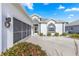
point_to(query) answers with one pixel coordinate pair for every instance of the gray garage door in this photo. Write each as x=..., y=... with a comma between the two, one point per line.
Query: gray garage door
x=20, y=30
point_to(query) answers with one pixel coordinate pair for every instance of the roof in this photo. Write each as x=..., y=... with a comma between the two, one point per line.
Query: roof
x=73, y=23
x=57, y=21
x=43, y=20
x=20, y=8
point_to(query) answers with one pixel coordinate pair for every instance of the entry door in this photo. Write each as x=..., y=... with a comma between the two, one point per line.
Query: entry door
x=35, y=28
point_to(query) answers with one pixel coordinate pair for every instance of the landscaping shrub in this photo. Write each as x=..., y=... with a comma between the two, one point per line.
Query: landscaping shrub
x=48, y=34
x=64, y=34
x=41, y=34
x=74, y=35
x=25, y=49
x=56, y=34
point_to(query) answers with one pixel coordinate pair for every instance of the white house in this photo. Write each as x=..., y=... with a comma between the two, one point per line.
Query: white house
x=45, y=26
x=15, y=25
x=73, y=27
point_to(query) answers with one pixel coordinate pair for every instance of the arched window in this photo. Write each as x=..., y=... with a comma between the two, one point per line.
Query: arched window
x=51, y=27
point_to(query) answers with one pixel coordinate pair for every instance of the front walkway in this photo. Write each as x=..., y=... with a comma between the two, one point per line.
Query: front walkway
x=55, y=46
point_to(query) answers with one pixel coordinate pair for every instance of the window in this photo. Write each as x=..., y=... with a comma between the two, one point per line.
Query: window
x=51, y=27
x=71, y=28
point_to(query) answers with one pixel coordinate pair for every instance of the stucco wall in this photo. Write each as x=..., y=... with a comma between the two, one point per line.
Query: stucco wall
x=64, y=27
x=39, y=28
x=0, y=28
x=59, y=28
x=44, y=29
x=9, y=10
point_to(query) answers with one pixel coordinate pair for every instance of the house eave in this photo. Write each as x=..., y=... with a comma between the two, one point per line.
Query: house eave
x=22, y=10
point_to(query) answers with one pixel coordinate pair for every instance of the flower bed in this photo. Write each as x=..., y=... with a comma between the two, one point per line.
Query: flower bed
x=25, y=49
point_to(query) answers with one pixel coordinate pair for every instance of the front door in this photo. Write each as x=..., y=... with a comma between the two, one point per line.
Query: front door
x=35, y=28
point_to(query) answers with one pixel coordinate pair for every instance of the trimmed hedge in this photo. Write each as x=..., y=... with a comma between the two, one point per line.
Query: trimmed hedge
x=74, y=35
x=64, y=34
x=56, y=34
x=24, y=49
x=48, y=34
x=41, y=34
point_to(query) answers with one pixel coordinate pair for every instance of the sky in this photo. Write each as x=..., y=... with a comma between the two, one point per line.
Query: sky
x=58, y=11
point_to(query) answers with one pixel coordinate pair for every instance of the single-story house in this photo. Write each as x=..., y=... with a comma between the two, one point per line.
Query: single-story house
x=45, y=26
x=72, y=27
x=15, y=24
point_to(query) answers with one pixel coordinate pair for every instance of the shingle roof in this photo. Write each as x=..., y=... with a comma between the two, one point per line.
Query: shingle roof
x=46, y=20
x=43, y=19
x=73, y=23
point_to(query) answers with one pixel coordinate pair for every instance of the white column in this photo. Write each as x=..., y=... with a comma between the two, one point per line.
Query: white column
x=10, y=35
x=7, y=35
x=44, y=29
x=0, y=28
x=64, y=26
x=32, y=31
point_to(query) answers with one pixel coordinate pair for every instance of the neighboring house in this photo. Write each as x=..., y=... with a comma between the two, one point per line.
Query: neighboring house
x=15, y=25
x=45, y=26
x=73, y=27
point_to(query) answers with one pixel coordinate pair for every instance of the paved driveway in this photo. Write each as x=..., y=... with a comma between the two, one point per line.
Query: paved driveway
x=56, y=46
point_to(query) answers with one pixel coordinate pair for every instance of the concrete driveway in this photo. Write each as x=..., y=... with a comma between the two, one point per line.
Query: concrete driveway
x=56, y=46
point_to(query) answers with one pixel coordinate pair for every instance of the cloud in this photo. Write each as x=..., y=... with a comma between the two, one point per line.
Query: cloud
x=29, y=5
x=72, y=9
x=61, y=7
x=71, y=15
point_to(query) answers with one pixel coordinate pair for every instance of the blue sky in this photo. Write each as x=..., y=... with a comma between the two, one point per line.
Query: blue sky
x=57, y=11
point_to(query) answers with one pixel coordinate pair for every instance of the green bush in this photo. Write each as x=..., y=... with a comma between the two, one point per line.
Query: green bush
x=64, y=34
x=56, y=34
x=24, y=49
x=74, y=35
x=48, y=34
x=41, y=34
